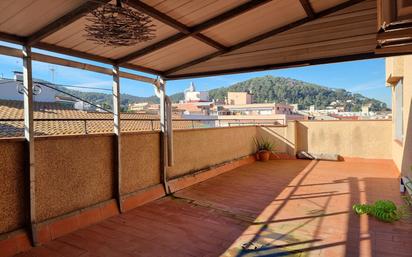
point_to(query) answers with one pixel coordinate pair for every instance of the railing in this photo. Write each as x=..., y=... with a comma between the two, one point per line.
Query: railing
x=64, y=126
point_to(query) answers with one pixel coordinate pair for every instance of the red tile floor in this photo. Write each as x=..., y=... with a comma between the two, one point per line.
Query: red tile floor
x=278, y=208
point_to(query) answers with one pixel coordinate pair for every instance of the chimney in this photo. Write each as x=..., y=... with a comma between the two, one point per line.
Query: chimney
x=18, y=75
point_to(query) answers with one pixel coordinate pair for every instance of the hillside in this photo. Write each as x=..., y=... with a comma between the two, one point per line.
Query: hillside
x=279, y=89
x=105, y=100
x=265, y=89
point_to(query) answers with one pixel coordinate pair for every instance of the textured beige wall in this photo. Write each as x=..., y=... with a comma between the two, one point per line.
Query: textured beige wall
x=12, y=185
x=200, y=148
x=140, y=161
x=364, y=139
x=72, y=172
x=282, y=137
x=402, y=151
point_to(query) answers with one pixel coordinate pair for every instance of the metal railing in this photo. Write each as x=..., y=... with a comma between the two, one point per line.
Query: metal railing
x=51, y=126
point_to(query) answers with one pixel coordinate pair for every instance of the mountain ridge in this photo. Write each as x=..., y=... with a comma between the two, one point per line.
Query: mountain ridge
x=265, y=89
x=282, y=89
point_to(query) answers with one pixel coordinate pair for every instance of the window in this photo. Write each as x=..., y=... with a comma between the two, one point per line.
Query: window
x=399, y=111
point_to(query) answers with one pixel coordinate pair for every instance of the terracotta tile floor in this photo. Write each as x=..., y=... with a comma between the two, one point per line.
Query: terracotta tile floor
x=278, y=208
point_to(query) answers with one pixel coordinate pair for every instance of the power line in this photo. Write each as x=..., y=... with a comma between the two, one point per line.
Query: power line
x=97, y=88
x=75, y=97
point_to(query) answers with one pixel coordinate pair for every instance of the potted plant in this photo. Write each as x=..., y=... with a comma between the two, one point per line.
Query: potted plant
x=264, y=149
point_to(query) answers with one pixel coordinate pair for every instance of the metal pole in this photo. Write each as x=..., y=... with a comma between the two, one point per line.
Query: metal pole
x=85, y=127
x=117, y=133
x=169, y=130
x=163, y=156
x=193, y=124
x=29, y=138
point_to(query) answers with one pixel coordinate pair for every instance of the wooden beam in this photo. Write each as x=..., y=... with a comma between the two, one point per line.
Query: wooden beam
x=9, y=51
x=308, y=8
x=195, y=30
x=28, y=103
x=354, y=57
x=141, y=69
x=12, y=38
x=140, y=6
x=403, y=48
x=67, y=51
x=208, y=41
x=132, y=76
x=70, y=63
x=117, y=134
x=394, y=34
x=72, y=52
x=92, y=57
x=65, y=20
x=263, y=36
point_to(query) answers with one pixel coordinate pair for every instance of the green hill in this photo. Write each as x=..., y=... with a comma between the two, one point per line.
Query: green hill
x=270, y=89
x=265, y=89
x=106, y=100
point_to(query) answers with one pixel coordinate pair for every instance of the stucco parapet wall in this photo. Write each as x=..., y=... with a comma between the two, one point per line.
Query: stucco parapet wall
x=337, y=121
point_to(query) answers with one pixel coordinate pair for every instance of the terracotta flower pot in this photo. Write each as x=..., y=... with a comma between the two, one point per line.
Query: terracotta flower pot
x=263, y=155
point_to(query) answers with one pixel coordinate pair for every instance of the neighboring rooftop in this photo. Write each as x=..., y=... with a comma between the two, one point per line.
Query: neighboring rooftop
x=61, y=120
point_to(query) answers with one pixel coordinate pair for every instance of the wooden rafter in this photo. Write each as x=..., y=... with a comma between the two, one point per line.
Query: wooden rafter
x=193, y=31
x=263, y=36
x=308, y=8
x=71, y=52
x=11, y=38
x=63, y=21
x=140, y=6
x=345, y=58
x=79, y=54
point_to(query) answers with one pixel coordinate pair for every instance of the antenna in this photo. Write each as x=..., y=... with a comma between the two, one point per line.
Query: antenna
x=53, y=72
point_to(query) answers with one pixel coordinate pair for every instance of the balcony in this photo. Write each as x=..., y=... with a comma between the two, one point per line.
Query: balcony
x=117, y=194
x=222, y=202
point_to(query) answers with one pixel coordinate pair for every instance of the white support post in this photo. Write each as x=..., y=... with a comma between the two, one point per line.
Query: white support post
x=160, y=84
x=117, y=133
x=29, y=138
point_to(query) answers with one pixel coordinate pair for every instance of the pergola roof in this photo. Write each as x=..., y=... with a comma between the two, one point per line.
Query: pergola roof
x=205, y=37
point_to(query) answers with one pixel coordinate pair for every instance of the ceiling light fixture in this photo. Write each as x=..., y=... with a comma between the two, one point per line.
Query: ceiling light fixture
x=117, y=25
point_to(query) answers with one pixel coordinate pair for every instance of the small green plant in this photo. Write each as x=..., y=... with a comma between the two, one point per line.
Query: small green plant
x=263, y=145
x=383, y=210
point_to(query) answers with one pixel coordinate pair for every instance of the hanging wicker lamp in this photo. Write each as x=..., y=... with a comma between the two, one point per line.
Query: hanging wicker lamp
x=118, y=25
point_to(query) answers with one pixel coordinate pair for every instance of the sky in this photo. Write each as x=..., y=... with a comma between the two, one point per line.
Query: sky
x=364, y=77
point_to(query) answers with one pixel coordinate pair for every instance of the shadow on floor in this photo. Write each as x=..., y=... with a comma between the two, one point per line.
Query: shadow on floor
x=277, y=208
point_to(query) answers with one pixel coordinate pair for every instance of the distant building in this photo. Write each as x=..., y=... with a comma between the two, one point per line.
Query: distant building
x=239, y=98
x=295, y=107
x=67, y=101
x=365, y=109
x=194, y=108
x=12, y=89
x=83, y=106
x=137, y=107
x=191, y=95
x=257, y=109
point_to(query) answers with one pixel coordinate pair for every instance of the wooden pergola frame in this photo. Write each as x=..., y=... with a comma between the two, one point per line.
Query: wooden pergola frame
x=184, y=32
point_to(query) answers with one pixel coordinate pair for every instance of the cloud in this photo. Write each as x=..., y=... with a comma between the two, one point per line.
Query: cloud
x=368, y=86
